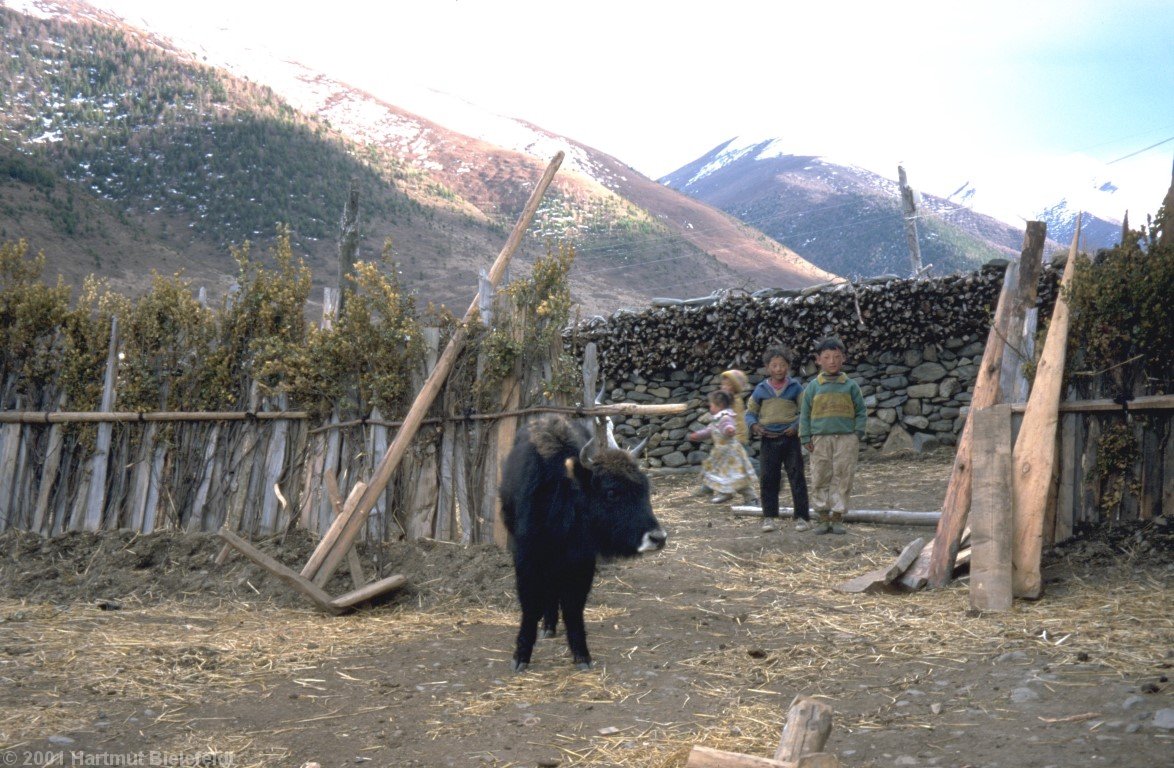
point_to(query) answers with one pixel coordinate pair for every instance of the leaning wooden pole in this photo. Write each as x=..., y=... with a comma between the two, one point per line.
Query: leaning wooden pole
x=938, y=558
x=399, y=446
x=1034, y=458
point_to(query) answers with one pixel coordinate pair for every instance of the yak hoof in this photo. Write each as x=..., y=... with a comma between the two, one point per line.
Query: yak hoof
x=584, y=665
x=519, y=666
x=548, y=633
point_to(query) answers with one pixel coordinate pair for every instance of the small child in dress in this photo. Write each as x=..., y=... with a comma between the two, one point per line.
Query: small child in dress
x=727, y=470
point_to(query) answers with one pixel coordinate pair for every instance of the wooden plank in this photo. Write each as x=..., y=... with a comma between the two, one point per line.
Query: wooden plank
x=274, y=466
x=507, y=430
x=809, y=723
x=374, y=589
x=395, y=452
x=42, y=523
x=446, y=502
x=1149, y=502
x=881, y=516
x=99, y=463
x=287, y=575
x=1067, y=491
x=990, y=511
x=311, y=495
x=155, y=482
x=885, y=575
x=1102, y=405
x=239, y=488
x=9, y=442
x=939, y=565
x=1090, y=488
x=207, y=472
x=1035, y=450
x=314, y=564
x=707, y=757
x=1167, y=495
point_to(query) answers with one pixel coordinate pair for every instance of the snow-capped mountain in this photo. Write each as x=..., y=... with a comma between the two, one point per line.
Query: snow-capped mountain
x=848, y=219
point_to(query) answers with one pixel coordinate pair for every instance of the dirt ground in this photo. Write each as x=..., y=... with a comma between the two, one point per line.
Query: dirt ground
x=123, y=650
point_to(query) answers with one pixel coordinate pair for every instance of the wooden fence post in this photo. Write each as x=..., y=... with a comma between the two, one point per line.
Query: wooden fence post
x=990, y=510
x=1035, y=449
x=937, y=560
x=42, y=519
x=95, y=501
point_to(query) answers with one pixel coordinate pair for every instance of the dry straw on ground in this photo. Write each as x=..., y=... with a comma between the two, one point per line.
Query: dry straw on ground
x=804, y=634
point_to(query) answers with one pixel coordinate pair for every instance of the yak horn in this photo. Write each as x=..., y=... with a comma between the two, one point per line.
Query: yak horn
x=635, y=451
x=611, y=435
x=585, y=454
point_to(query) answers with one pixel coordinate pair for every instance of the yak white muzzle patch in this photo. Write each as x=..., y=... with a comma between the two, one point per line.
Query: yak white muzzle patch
x=653, y=540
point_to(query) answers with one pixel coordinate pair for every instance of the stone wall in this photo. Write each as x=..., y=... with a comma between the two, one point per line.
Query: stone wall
x=913, y=346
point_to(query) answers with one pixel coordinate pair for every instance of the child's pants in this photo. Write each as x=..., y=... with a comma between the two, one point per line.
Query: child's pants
x=775, y=455
x=833, y=465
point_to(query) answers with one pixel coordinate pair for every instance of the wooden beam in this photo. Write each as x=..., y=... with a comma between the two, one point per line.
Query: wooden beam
x=374, y=589
x=884, y=575
x=1034, y=456
x=990, y=513
x=289, y=576
x=937, y=562
x=313, y=569
x=886, y=516
x=809, y=723
x=1144, y=403
x=707, y=757
x=399, y=446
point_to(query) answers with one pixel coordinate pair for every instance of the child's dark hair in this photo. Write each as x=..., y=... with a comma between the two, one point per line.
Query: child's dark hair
x=721, y=398
x=776, y=351
x=831, y=342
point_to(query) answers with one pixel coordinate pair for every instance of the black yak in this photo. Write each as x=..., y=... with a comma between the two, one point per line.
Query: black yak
x=566, y=504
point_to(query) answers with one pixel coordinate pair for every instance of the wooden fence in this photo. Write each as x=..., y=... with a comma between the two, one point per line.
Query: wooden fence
x=261, y=471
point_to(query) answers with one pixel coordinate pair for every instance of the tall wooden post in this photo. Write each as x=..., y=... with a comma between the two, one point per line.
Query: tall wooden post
x=937, y=560
x=1034, y=459
x=348, y=245
x=411, y=422
x=909, y=208
x=990, y=512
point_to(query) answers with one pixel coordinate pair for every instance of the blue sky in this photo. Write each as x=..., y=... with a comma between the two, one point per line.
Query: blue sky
x=1011, y=93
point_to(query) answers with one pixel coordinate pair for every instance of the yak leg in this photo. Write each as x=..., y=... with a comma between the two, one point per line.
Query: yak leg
x=573, y=599
x=534, y=594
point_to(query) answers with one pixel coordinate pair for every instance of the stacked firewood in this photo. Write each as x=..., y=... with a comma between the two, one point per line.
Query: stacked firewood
x=726, y=330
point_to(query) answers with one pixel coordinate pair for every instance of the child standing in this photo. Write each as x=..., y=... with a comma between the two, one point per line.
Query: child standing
x=727, y=469
x=773, y=416
x=831, y=425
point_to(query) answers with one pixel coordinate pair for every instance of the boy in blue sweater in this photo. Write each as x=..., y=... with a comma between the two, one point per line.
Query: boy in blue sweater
x=831, y=425
x=773, y=417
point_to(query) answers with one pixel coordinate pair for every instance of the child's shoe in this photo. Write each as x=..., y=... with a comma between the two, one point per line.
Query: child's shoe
x=837, y=524
x=802, y=525
x=722, y=498
x=823, y=525
x=768, y=525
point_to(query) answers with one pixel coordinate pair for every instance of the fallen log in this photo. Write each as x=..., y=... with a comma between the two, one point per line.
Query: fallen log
x=885, y=516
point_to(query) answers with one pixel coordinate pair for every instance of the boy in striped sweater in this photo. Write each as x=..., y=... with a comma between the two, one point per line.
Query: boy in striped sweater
x=831, y=424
